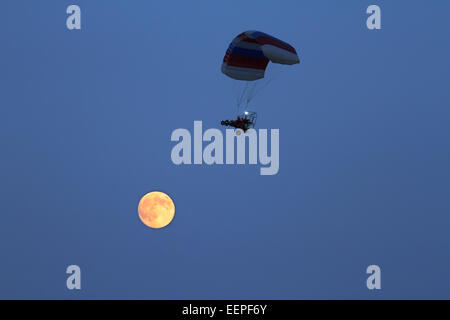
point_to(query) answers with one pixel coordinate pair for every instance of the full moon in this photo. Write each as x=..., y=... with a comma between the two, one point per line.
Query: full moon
x=156, y=209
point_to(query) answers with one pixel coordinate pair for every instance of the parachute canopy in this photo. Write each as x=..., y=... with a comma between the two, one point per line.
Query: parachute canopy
x=250, y=52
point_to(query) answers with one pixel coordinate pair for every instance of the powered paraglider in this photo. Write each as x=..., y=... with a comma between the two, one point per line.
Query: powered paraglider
x=246, y=60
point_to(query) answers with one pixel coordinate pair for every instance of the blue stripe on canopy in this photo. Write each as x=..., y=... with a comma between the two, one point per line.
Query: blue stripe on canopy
x=248, y=53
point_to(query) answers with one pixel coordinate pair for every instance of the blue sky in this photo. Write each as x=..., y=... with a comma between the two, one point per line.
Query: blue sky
x=85, y=125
